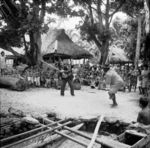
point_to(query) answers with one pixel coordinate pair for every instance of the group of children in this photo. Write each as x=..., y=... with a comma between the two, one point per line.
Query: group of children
x=143, y=82
x=36, y=77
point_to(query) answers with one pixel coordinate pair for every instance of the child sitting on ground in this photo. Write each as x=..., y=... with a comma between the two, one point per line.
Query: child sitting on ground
x=77, y=83
x=37, y=76
x=144, y=114
x=30, y=77
x=47, y=78
x=53, y=81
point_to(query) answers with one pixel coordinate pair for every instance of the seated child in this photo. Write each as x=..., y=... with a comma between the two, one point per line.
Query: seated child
x=52, y=82
x=30, y=77
x=144, y=114
x=47, y=78
x=37, y=76
x=77, y=83
x=97, y=81
x=92, y=81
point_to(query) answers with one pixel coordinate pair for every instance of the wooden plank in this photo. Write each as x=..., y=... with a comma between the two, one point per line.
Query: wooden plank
x=95, y=132
x=121, y=137
x=110, y=143
x=134, y=132
x=101, y=140
x=72, y=139
x=143, y=142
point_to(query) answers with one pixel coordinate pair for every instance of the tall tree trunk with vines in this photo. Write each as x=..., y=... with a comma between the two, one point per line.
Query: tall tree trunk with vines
x=138, y=43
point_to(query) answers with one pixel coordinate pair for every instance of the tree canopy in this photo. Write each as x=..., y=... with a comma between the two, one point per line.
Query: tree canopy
x=27, y=17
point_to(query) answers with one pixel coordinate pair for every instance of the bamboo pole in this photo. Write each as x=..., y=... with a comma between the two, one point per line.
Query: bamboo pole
x=57, y=138
x=39, y=134
x=30, y=132
x=72, y=139
x=95, y=132
x=68, y=137
x=101, y=141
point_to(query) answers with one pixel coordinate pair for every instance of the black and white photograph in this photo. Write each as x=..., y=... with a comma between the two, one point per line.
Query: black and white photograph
x=75, y=73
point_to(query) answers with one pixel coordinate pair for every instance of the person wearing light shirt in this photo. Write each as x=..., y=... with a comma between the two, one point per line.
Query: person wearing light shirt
x=2, y=63
x=113, y=83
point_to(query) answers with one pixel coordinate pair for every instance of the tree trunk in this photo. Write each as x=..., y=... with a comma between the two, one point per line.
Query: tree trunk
x=147, y=15
x=38, y=43
x=147, y=30
x=35, y=49
x=138, y=43
x=104, y=52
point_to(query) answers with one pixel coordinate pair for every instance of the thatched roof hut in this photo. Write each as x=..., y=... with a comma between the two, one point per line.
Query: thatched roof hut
x=117, y=55
x=58, y=43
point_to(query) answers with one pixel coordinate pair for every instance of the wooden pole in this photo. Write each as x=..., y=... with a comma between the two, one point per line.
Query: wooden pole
x=36, y=135
x=30, y=132
x=95, y=132
x=57, y=138
x=103, y=141
x=72, y=139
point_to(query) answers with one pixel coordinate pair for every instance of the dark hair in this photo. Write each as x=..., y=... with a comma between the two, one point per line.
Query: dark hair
x=143, y=102
x=146, y=66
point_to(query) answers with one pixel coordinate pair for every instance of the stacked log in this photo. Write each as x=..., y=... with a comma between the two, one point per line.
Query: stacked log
x=13, y=83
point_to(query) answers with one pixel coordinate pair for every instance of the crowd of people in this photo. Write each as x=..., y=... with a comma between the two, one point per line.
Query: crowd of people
x=84, y=74
x=107, y=77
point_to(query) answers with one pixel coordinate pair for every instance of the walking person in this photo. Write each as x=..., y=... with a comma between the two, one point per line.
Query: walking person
x=133, y=78
x=2, y=63
x=113, y=83
x=144, y=75
x=139, y=81
x=66, y=77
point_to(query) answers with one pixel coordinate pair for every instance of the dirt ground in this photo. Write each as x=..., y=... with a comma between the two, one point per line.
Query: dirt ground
x=87, y=103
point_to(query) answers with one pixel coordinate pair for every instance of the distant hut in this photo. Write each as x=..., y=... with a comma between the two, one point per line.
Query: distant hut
x=58, y=44
x=117, y=56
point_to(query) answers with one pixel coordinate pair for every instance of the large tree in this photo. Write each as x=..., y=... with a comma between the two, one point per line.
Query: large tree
x=97, y=20
x=23, y=17
x=27, y=17
x=98, y=17
x=147, y=31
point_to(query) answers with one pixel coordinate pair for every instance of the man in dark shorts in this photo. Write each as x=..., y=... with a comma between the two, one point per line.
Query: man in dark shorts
x=66, y=76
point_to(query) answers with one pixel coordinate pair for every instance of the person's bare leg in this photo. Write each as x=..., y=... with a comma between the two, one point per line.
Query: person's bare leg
x=114, y=100
x=110, y=95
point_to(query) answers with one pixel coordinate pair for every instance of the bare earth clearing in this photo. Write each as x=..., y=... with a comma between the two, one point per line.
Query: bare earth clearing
x=86, y=103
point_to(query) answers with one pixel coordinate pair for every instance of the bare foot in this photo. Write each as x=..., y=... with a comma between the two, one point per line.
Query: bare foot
x=114, y=105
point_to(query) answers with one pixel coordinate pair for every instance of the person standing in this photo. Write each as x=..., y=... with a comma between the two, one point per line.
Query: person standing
x=144, y=75
x=144, y=114
x=133, y=78
x=113, y=83
x=66, y=77
x=2, y=63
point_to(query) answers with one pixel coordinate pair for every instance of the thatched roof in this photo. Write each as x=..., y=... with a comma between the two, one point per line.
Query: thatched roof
x=57, y=42
x=117, y=55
